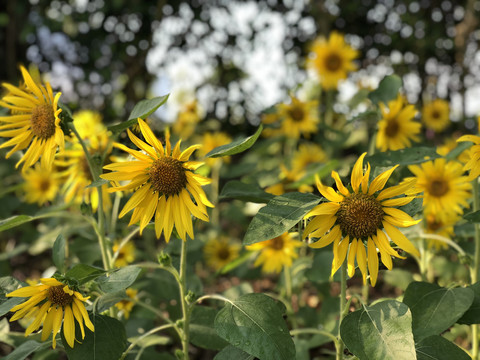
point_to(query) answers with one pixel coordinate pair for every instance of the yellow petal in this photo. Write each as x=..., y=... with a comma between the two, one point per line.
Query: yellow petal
x=150, y=136
x=78, y=316
x=386, y=258
x=27, y=291
x=84, y=313
x=396, y=190
x=69, y=326
x=379, y=182
x=362, y=260
x=352, y=252
x=365, y=179
x=343, y=190
x=57, y=323
x=340, y=255
x=357, y=173
x=135, y=200
x=328, y=192
x=398, y=201
x=372, y=261
x=327, y=239
x=400, y=239
x=401, y=216
x=327, y=208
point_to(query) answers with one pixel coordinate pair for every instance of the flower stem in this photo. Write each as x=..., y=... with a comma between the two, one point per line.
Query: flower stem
x=185, y=306
x=476, y=264
x=343, y=309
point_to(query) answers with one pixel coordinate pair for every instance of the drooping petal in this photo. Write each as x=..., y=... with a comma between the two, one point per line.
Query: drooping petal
x=69, y=326
x=372, y=261
x=400, y=239
x=343, y=190
x=362, y=260
x=379, y=182
x=357, y=173
x=352, y=252
x=340, y=255
x=326, y=208
x=328, y=192
x=327, y=239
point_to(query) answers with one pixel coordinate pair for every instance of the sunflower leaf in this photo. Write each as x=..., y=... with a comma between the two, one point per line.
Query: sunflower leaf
x=472, y=217
x=380, y=332
x=387, y=89
x=231, y=352
x=119, y=279
x=202, y=332
x=84, y=273
x=14, y=221
x=58, y=253
x=237, y=146
x=436, y=347
x=255, y=324
x=247, y=192
x=472, y=315
x=146, y=107
x=27, y=348
x=408, y=156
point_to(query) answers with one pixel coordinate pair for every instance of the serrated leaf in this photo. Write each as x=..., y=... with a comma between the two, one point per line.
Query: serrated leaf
x=279, y=215
x=472, y=315
x=408, y=156
x=107, y=342
x=380, y=332
x=472, y=217
x=13, y=221
x=436, y=347
x=146, y=107
x=202, y=332
x=106, y=301
x=434, y=309
x=84, y=273
x=24, y=350
x=255, y=324
x=247, y=192
x=387, y=89
x=231, y=352
x=237, y=146
x=58, y=253
x=119, y=279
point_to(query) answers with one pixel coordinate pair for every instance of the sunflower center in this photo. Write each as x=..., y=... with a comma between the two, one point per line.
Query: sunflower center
x=277, y=243
x=438, y=188
x=43, y=121
x=223, y=253
x=333, y=62
x=44, y=185
x=435, y=114
x=360, y=216
x=296, y=114
x=59, y=297
x=167, y=176
x=392, y=128
x=434, y=225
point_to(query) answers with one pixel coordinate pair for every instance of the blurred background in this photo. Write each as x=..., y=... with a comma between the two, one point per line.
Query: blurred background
x=237, y=58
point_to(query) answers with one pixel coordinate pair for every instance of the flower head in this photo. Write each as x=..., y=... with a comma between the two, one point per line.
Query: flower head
x=166, y=186
x=34, y=122
x=123, y=255
x=209, y=142
x=473, y=163
x=219, y=251
x=332, y=60
x=397, y=129
x=188, y=117
x=125, y=306
x=366, y=215
x=436, y=115
x=298, y=118
x=51, y=302
x=41, y=185
x=276, y=253
x=440, y=224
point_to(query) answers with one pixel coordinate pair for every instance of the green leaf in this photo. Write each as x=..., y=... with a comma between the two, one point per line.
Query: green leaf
x=255, y=324
x=436, y=347
x=27, y=348
x=84, y=273
x=472, y=315
x=14, y=221
x=461, y=147
x=472, y=217
x=116, y=129
x=247, y=192
x=106, y=301
x=119, y=279
x=7, y=285
x=387, y=89
x=237, y=146
x=279, y=215
x=408, y=156
x=58, y=253
x=146, y=107
x=236, y=262
x=202, y=332
x=231, y=352
x=435, y=309
x=380, y=332
x=414, y=207
x=98, y=183
x=107, y=342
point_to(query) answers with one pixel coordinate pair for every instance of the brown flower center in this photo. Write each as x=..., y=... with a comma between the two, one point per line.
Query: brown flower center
x=392, y=128
x=296, y=113
x=438, y=188
x=59, y=297
x=435, y=114
x=277, y=243
x=333, y=62
x=167, y=176
x=44, y=185
x=223, y=253
x=360, y=216
x=43, y=121
x=434, y=225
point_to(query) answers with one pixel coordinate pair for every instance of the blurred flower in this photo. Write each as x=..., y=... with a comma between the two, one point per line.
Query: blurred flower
x=124, y=255
x=49, y=303
x=473, y=164
x=298, y=118
x=89, y=125
x=444, y=187
x=34, y=122
x=440, y=224
x=305, y=155
x=165, y=184
x=451, y=144
x=219, y=251
x=126, y=306
x=188, y=117
x=41, y=185
x=332, y=60
x=288, y=177
x=366, y=215
x=276, y=253
x=436, y=115
x=209, y=142
x=397, y=129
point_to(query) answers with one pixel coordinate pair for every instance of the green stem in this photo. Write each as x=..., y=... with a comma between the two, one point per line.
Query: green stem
x=297, y=332
x=140, y=338
x=343, y=309
x=157, y=313
x=476, y=265
x=183, y=300
x=288, y=283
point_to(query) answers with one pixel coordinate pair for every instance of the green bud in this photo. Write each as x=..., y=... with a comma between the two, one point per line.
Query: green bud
x=179, y=354
x=190, y=297
x=164, y=259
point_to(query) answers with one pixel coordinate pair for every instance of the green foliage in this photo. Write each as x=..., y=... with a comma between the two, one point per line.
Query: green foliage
x=472, y=315
x=83, y=273
x=14, y=221
x=247, y=192
x=436, y=347
x=387, y=90
x=202, y=332
x=58, y=253
x=7, y=285
x=146, y=107
x=231, y=352
x=407, y=156
x=119, y=279
x=237, y=146
x=27, y=348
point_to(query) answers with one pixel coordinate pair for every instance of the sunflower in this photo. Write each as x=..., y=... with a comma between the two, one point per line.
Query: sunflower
x=220, y=252
x=49, y=303
x=449, y=145
x=125, y=306
x=123, y=255
x=34, y=122
x=396, y=129
x=287, y=179
x=298, y=118
x=440, y=224
x=445, y=189
x=366, y=215
x=276, y=253
x=188, y=117
x=165, y=184
x=41, y=185
x=473, y=163
x=436, y=115
x=209, y=142
x=331, y=60
x=305, y=155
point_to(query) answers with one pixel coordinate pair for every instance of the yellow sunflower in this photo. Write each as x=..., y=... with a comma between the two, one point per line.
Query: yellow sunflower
x=366, y=215
x=123, y=255
x=451, y=144
x=220, y=251
x=41, y=185
x=49, y=303
x=34, y=122
x=445, y=189
x=188, y=117
x=305, y=155
x=440, y=224
x=165, y=184
x=276, y=253
x=332, y=60
x=287, y=178
x=126, y=306
x=436, y=115
x=473, y=163
x=298, y=118
x=397, y=128
x=209, y=142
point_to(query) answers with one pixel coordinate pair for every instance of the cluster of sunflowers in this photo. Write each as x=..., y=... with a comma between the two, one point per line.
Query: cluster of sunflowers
x=78, y=161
